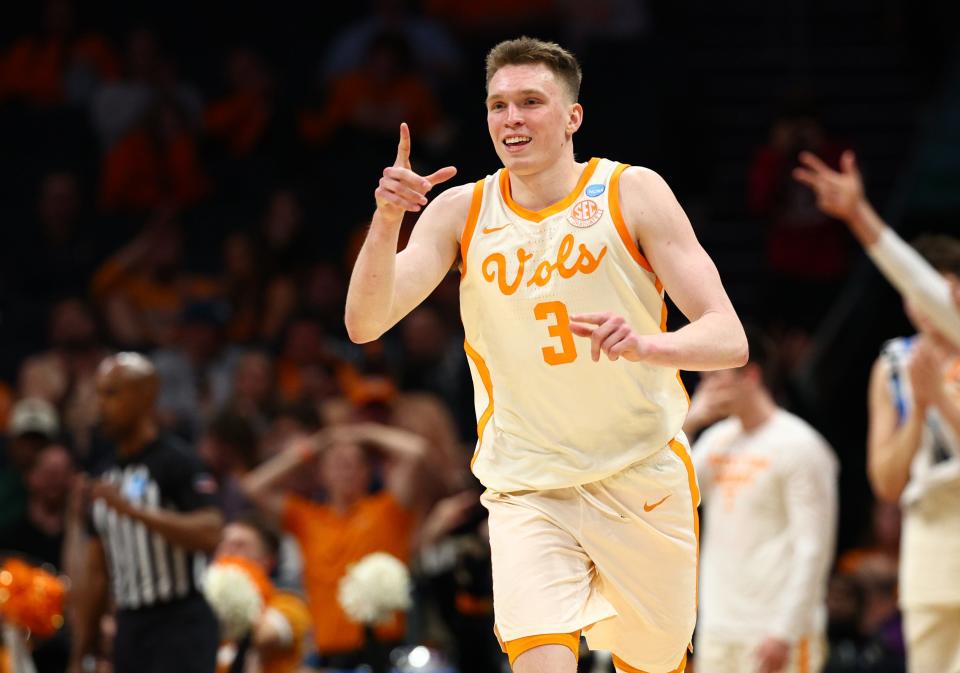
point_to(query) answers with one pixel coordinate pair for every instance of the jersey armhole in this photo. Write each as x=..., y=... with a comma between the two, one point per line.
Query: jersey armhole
x=472, y=216
x=613, y=199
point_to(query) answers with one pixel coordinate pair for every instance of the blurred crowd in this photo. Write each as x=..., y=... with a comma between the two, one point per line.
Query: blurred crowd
x=206, y=214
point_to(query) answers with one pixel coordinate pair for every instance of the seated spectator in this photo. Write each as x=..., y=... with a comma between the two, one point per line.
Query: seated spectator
x=58, y=64
x=432, y=47
x=39, y=533
x=305, y=363
x=156, y=164
x=240, y=119
x=148, y=76
x=375, y=98
x=254, y=394
x=65, y=375
x=34, y=424
x=351, y=524
x=283, y=240
x=57, y=240
x=196, y=372
x=243, y=288
x=143, y=289
x=276, y=642
x=229, y=448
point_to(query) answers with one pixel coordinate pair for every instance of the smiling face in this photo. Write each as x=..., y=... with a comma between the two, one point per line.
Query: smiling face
x=531, y=117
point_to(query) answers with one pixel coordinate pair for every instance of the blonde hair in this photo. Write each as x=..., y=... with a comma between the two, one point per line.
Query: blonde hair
x=530, y=51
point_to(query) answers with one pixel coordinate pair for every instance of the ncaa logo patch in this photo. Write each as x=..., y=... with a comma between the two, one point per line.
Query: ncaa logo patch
x=594, y=190
x=584, y=213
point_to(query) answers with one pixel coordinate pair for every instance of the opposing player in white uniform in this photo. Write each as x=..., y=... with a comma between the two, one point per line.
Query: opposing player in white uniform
x=769, y=485
x=591, y=492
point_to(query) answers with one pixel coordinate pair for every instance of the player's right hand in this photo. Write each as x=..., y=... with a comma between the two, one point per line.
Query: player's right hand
x=839, y=194
x=400, y=189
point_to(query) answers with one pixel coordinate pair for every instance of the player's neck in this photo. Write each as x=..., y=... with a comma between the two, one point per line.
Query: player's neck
x=145, y=432
x=757, y=410
x=540, y=190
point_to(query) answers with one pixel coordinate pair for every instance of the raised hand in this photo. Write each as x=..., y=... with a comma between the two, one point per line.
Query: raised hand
x=401, y=189
x=838, y=194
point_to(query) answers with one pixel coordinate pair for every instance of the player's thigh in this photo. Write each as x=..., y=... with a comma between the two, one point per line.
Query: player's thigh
x=933, y=638
x=641, y=532
x=546, y=659
x=542, y=578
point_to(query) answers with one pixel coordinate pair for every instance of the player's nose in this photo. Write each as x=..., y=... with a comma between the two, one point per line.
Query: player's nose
x=514, y=117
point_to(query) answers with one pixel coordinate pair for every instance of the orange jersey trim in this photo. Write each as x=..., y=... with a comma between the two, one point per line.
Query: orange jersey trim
x=540, y=215
x=681, y=452
x=472, y=216
x=514, y=648
x=803, y=656
x=617, y=215
x=484, y=373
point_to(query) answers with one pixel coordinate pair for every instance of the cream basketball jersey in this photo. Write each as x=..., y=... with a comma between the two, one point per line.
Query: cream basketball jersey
x=548, y=416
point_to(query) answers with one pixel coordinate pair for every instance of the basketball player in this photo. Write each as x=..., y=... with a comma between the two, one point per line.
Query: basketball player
x=914, y=457
x=841, y=195
x=769, y=485
x=591, y=492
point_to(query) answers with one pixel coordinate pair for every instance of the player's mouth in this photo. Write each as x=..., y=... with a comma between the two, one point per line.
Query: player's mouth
x=516, y=143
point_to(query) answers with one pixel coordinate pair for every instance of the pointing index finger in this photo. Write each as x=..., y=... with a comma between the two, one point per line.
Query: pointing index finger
x=403, y=147
x=592, y=318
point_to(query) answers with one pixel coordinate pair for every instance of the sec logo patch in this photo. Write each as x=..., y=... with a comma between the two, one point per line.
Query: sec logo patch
x=584, y=213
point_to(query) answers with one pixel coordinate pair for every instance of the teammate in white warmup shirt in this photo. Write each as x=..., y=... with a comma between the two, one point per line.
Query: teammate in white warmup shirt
x=769, y=487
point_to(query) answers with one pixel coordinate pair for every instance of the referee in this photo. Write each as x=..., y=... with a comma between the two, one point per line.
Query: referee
x=152, y=520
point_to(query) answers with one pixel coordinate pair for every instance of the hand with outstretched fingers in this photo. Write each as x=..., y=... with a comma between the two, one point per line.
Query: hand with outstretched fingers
x=401, y=190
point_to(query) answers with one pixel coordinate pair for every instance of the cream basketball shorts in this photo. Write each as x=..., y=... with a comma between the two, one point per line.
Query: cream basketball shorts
x=615, y=559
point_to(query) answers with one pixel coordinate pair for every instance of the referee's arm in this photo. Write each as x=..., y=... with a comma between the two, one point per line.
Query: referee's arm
x=89, y=604
x=195, y=530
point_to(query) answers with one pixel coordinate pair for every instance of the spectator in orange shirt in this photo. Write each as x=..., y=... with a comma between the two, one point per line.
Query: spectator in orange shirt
x=276, y=642
x=350, y=525
x=240, y=118
x=57, y=65
x=65, y=375
x=143, y=288
x=374, y=99
x=156, y=164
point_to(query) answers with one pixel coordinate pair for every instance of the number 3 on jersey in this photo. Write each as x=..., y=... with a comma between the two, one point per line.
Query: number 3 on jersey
x=560, y=329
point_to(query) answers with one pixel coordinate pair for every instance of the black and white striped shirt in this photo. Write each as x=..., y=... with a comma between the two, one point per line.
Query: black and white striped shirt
x=144, y=568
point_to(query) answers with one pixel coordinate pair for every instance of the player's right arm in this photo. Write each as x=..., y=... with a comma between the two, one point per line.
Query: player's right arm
x=841, y=195
x=386, y=285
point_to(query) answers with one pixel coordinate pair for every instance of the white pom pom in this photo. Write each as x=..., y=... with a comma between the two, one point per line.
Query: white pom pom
x=374, y=588
x=234, y=598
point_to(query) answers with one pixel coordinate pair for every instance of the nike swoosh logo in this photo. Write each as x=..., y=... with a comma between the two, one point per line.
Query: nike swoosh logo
x=490, y=230
x=650, y=508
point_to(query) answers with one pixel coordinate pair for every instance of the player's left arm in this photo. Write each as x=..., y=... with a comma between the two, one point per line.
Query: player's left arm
x=810, y=494
x=714, y=339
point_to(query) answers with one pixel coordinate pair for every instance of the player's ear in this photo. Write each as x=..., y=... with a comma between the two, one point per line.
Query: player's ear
x=575, y=118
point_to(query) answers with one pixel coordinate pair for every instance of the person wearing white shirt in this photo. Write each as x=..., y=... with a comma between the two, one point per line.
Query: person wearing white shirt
x=768, y=484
